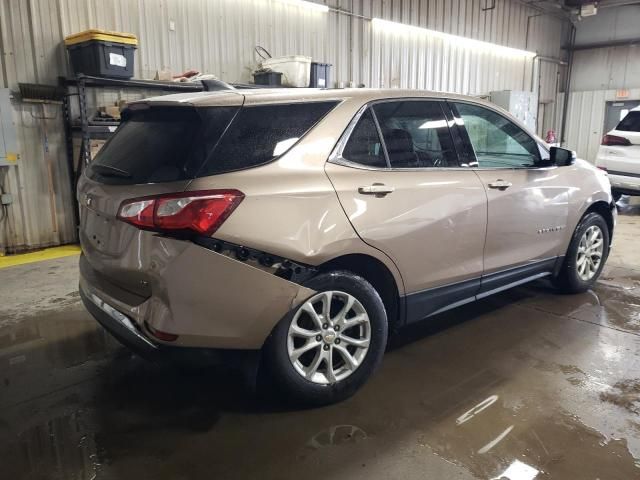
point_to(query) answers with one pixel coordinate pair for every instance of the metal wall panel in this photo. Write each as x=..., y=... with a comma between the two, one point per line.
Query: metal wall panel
x=218, y=36
x=609, y=24
x=606, y=68
x=585, y=120
x=597, y=73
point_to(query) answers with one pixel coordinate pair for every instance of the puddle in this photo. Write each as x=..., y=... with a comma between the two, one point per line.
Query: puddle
x=335, y=436
x=505, y=388
x=556, y=446
x=625, y=394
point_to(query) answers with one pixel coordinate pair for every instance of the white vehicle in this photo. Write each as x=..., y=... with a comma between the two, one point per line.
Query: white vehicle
x=619, y=155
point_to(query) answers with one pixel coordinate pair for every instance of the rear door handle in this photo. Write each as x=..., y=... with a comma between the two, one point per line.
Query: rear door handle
x=376, y=189
x=500, y=185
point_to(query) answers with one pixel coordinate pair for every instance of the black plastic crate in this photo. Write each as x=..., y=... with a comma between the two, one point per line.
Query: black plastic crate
x=320, y=75
x=268, y=78
x=102, y=59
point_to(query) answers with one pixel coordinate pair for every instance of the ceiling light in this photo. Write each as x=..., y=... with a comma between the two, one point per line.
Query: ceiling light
x=454, y=39
x=311, y=5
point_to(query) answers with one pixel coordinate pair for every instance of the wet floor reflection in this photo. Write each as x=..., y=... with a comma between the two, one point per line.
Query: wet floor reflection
x=528, y=384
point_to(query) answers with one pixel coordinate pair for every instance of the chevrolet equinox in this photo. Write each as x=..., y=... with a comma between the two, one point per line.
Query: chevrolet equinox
x=306, y=224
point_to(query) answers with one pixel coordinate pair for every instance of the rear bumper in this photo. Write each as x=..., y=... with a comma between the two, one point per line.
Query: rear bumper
x=138, y=342
x=207, y=299
x=118, y=325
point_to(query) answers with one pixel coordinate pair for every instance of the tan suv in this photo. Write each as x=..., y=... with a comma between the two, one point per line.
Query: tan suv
x=307, y=224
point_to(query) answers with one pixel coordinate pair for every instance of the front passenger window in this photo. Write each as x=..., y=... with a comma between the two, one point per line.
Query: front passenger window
x=498, y=142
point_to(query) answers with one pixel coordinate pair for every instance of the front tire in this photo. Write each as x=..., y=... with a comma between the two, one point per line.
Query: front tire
x=586, y=255
x=325, y=349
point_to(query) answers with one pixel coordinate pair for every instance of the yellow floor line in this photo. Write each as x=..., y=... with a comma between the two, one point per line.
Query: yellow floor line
x=39, y=256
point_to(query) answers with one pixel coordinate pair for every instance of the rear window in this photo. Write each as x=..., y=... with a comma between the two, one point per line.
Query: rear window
x=160, y=144
x=259, y=134
x=630, y=123
x=166, y=144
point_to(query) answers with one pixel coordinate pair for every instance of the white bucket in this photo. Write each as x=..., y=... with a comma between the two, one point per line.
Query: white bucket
x=295, y=69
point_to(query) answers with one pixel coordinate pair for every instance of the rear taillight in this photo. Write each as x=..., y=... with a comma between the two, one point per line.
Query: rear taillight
x=611, y=140
x=201, y=211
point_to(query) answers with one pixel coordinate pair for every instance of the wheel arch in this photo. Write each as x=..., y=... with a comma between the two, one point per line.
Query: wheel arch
x=378, y=275
x=603, y=209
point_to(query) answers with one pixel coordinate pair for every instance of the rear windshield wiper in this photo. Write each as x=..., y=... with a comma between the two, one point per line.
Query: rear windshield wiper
x=109, y=171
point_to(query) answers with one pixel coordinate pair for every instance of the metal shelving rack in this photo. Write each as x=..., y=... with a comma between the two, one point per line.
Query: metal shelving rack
x=86, y=128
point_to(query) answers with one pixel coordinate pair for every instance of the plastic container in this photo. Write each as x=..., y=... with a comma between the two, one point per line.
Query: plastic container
x=102, y=53
x=268, y=78
x=295, y=69
x=320, y=75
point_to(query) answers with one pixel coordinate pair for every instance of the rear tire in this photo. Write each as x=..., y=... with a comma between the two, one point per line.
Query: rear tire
x=586, y=255
x=342, y=349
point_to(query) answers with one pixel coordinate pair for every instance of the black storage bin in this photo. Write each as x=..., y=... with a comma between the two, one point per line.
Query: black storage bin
x=102, y=54
x=268, y=78
x=320, y=75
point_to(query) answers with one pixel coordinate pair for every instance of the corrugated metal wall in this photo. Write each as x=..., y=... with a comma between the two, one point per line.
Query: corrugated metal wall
x=585, y=120
x=218, y=36
x=598, y=72
x=606, y=68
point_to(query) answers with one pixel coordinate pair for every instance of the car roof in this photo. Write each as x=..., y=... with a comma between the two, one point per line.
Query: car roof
x=359, y=96
x=255, y=96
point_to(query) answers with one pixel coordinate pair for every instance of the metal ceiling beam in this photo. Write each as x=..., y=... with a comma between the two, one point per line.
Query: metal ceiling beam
x=542, y=7
x=613, y=43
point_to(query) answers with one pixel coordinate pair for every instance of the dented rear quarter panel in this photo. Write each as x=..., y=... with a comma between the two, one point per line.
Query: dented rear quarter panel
x=206, y=298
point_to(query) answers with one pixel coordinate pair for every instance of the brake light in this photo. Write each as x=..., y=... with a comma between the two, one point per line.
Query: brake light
x=201, y=211
x=611, y=140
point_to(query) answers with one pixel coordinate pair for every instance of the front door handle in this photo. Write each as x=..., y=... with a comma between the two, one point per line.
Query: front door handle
x=377, y=189
x=500, y=185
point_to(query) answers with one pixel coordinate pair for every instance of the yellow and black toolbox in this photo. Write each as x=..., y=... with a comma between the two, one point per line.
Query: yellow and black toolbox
x=102, y=53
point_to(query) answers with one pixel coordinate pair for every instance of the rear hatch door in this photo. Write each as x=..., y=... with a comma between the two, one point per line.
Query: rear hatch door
x=159, y=148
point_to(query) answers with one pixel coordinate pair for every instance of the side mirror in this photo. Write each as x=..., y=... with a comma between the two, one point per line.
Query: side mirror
x=561, y=156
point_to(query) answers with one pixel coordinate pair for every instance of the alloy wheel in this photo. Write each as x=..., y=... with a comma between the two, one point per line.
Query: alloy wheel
x=329, y=337
x=590, y=251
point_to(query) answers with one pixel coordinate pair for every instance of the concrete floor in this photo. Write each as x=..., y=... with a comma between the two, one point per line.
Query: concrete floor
x=522, y=382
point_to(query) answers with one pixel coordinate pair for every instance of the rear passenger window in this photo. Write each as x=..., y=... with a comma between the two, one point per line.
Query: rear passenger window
x=630, y=123
x=364, y=145
x=259, y=134
x=416, y=134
